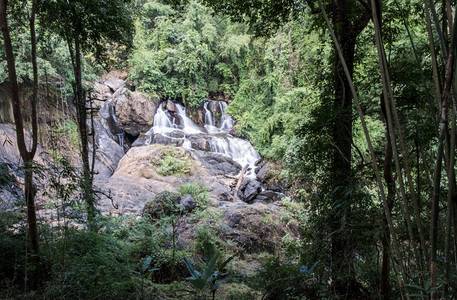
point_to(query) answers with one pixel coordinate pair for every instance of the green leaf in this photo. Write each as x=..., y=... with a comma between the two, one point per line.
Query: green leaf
x=146, y=264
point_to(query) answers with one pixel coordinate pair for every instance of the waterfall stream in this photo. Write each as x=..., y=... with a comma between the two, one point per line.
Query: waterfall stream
x=216, y=130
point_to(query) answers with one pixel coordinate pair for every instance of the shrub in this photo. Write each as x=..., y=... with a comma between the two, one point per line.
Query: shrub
x=172, y=164
x=163, y=204
x=197, y=190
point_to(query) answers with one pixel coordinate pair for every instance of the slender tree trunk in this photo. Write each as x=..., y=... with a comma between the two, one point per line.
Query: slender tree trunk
x=26, y=155
x=448, y=80
x=81, y=116
x=82, y=124
x=369, y=143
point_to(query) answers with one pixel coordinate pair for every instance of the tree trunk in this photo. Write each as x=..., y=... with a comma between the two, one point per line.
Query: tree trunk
x=81, y=115
x=342, y=245
x=26, y=155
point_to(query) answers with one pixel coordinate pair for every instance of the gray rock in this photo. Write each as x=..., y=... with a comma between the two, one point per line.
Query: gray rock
x=269, y=196
x=157, y=138
x=110, y=122
x=170, y=106
x=114, y=84
x=251, y=191
x=218, y=164
x=188, y=202
x=200, y=142
x=101, y=89
x=108, y=152
x=262, y=173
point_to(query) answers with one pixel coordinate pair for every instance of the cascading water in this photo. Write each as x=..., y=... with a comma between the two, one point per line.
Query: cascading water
x=226, y=120
x=220, y=140
x=188, y=125
x=162, y=123
x=120, y=137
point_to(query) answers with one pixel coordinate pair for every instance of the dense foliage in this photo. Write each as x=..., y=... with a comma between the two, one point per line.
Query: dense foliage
x=387, y=230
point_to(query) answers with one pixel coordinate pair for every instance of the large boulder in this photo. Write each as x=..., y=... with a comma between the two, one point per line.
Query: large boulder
x=138, y=177
x=188, y=202
x=250, y=228
x=135, y=113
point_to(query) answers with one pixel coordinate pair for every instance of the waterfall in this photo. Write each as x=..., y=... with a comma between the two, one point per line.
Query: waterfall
x=226, y=120
x=187, y=144
x=188, y=125
x=219, y=139
x=208, y=115
x=237, y=149
x=162, y=123
x=112, y=112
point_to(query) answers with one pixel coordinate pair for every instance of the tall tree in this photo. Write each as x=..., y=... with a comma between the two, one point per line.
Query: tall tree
x=87, y=26
x=27, y=153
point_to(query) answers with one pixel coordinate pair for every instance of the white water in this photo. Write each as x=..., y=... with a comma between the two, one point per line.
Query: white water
x=162, y=123
x=187, y=144
x=226, y=121
x=221, y=141
x=188, y=125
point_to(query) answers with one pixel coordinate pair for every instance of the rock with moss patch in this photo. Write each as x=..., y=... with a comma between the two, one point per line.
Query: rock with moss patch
x=163, y=204
x=188, y=202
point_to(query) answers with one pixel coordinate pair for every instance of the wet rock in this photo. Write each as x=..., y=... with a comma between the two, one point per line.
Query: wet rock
x=188, y=202
x=263, y=173
x=268, y=196
x=172, y=139
x=170, y=106
x=109, y=119
x=200, y=142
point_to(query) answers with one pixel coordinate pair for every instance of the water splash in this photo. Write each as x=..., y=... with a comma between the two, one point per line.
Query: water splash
x=162, y=123
x=187, y=144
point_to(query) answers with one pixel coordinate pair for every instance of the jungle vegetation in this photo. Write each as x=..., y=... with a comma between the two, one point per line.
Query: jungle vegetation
x=354, y=100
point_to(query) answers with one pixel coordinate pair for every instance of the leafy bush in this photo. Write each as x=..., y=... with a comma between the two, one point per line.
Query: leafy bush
x=174, y=165
x=197, y=190
x=163, y=204
x=206, y=274
x=279, y=280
